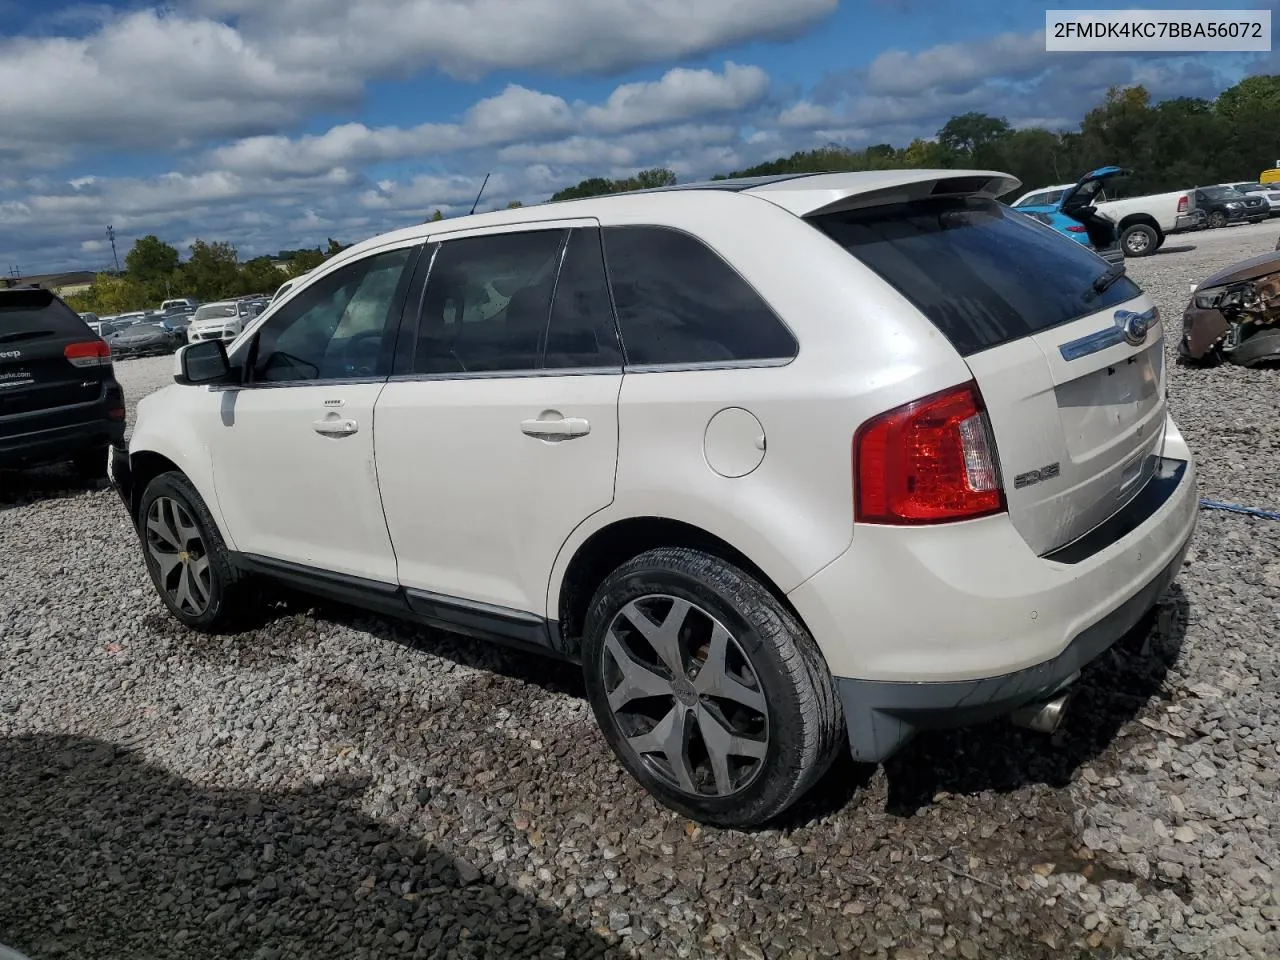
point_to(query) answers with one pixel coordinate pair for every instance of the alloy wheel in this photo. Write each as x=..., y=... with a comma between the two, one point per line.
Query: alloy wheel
x=178, y=551
x=685, y=696
x=1138, y=242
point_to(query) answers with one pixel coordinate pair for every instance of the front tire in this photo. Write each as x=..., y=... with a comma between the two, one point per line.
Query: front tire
x=188, y=561
x=708, y=689
x=1217, y=219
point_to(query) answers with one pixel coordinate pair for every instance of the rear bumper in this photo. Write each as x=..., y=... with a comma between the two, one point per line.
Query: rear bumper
x=1189, y=221
x=49, y=445
x=882, y=717
x=934, y=628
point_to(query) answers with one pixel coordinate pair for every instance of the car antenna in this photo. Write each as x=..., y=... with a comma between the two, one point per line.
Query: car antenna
x=480, y=194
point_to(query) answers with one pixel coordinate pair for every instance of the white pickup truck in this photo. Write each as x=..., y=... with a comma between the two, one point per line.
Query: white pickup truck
x=1142, y=223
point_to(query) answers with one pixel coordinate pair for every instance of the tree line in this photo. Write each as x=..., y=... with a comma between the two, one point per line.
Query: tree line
x=1174, y=144
x=155, y=272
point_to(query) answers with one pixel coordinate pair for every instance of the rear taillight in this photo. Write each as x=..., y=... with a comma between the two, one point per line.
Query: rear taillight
x=929, y=461
x=1183, y=202
x=88, y=353
x=1077, y=228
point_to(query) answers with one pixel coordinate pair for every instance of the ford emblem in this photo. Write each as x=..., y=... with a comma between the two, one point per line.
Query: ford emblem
x=1134, y=326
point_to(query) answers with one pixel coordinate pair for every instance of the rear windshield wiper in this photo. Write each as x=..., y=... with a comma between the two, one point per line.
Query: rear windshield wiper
x=24, y=335
x=1105, y=280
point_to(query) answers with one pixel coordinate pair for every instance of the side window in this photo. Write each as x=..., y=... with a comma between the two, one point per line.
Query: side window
x=487, y=302
x=1035, y=200
x=582, y=332
x=679, y=303
x=334, y=329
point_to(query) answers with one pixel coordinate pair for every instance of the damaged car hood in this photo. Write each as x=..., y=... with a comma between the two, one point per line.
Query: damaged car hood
x=1250, y=269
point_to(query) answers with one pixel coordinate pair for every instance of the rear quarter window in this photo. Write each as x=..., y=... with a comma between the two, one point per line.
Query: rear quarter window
x=982, y=273
x=26, y=312
x=679, y=303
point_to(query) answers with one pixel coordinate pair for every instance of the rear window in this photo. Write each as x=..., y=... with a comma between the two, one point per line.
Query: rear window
x=978, y=270
x=26, y=312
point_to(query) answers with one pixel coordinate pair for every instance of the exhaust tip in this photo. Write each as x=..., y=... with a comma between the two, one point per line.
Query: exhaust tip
x=1042, y=716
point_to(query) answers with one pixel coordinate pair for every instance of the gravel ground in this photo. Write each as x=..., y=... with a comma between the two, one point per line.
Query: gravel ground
x=337, y=784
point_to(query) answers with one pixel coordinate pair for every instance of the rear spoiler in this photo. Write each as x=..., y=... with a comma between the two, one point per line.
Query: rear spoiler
x=815, y=196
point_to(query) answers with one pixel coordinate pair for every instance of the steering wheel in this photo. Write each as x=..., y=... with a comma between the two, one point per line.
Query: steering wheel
x=355, y=366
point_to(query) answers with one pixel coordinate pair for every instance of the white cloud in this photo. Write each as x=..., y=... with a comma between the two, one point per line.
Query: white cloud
x=957, y=65
x=530, y=127
x=160, y=78
x=680, y=95
x=806, y=115
x=149, y=81
x=468, y=40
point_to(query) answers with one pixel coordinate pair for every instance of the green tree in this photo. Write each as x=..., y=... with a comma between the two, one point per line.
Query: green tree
x=970, y=132
x=260, y=275
x=304, y=262
x=111, y=294
x=593, y=187
x=1250, y=95
x=213, y=271
x=514, y=205
x=925, y=155
x=335, y=247
x=151, y=263
x=1250, y=112
x=650, y=179
x=435, y=217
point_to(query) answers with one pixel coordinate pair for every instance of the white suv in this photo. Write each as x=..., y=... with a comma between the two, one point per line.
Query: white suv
x=786, y=463
x=222, y=320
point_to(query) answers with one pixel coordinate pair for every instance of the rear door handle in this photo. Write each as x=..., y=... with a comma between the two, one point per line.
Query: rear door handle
x=564, y=429
x=335, y=428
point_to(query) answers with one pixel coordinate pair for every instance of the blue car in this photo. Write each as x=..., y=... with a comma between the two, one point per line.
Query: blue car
x=1069, y=209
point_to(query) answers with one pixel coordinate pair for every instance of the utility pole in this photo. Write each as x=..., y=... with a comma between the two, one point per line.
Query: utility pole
x=111, y=235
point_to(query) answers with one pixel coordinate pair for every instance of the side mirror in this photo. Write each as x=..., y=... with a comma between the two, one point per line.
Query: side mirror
x=204, y=362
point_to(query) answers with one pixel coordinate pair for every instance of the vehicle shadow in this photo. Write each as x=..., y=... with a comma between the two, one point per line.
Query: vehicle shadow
x=551, y=675
x=102, y=853
x=1111, y=692
x=1181, y=248
x=19, y=488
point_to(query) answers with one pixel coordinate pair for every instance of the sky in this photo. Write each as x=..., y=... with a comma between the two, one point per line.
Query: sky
x=276, y=124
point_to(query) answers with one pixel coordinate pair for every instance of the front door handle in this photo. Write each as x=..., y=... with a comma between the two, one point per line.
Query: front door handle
x=335, y=428
x=564, y=428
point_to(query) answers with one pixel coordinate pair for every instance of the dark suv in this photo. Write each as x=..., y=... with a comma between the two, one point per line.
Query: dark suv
x=59, y=399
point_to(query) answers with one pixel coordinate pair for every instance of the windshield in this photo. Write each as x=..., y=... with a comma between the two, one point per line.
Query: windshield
x=215, y=310
x=981, y=272
x=1220, y=193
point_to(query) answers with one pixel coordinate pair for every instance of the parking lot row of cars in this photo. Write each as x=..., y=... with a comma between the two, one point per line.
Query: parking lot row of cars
x=176, y=322
x=1141, y=224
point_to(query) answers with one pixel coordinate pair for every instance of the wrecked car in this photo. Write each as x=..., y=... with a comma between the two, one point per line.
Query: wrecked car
x=1234, y=314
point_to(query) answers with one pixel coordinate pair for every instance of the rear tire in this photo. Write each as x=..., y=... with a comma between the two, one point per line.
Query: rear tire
x=749, y=723
x=187, y=559
x=1140, y=240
